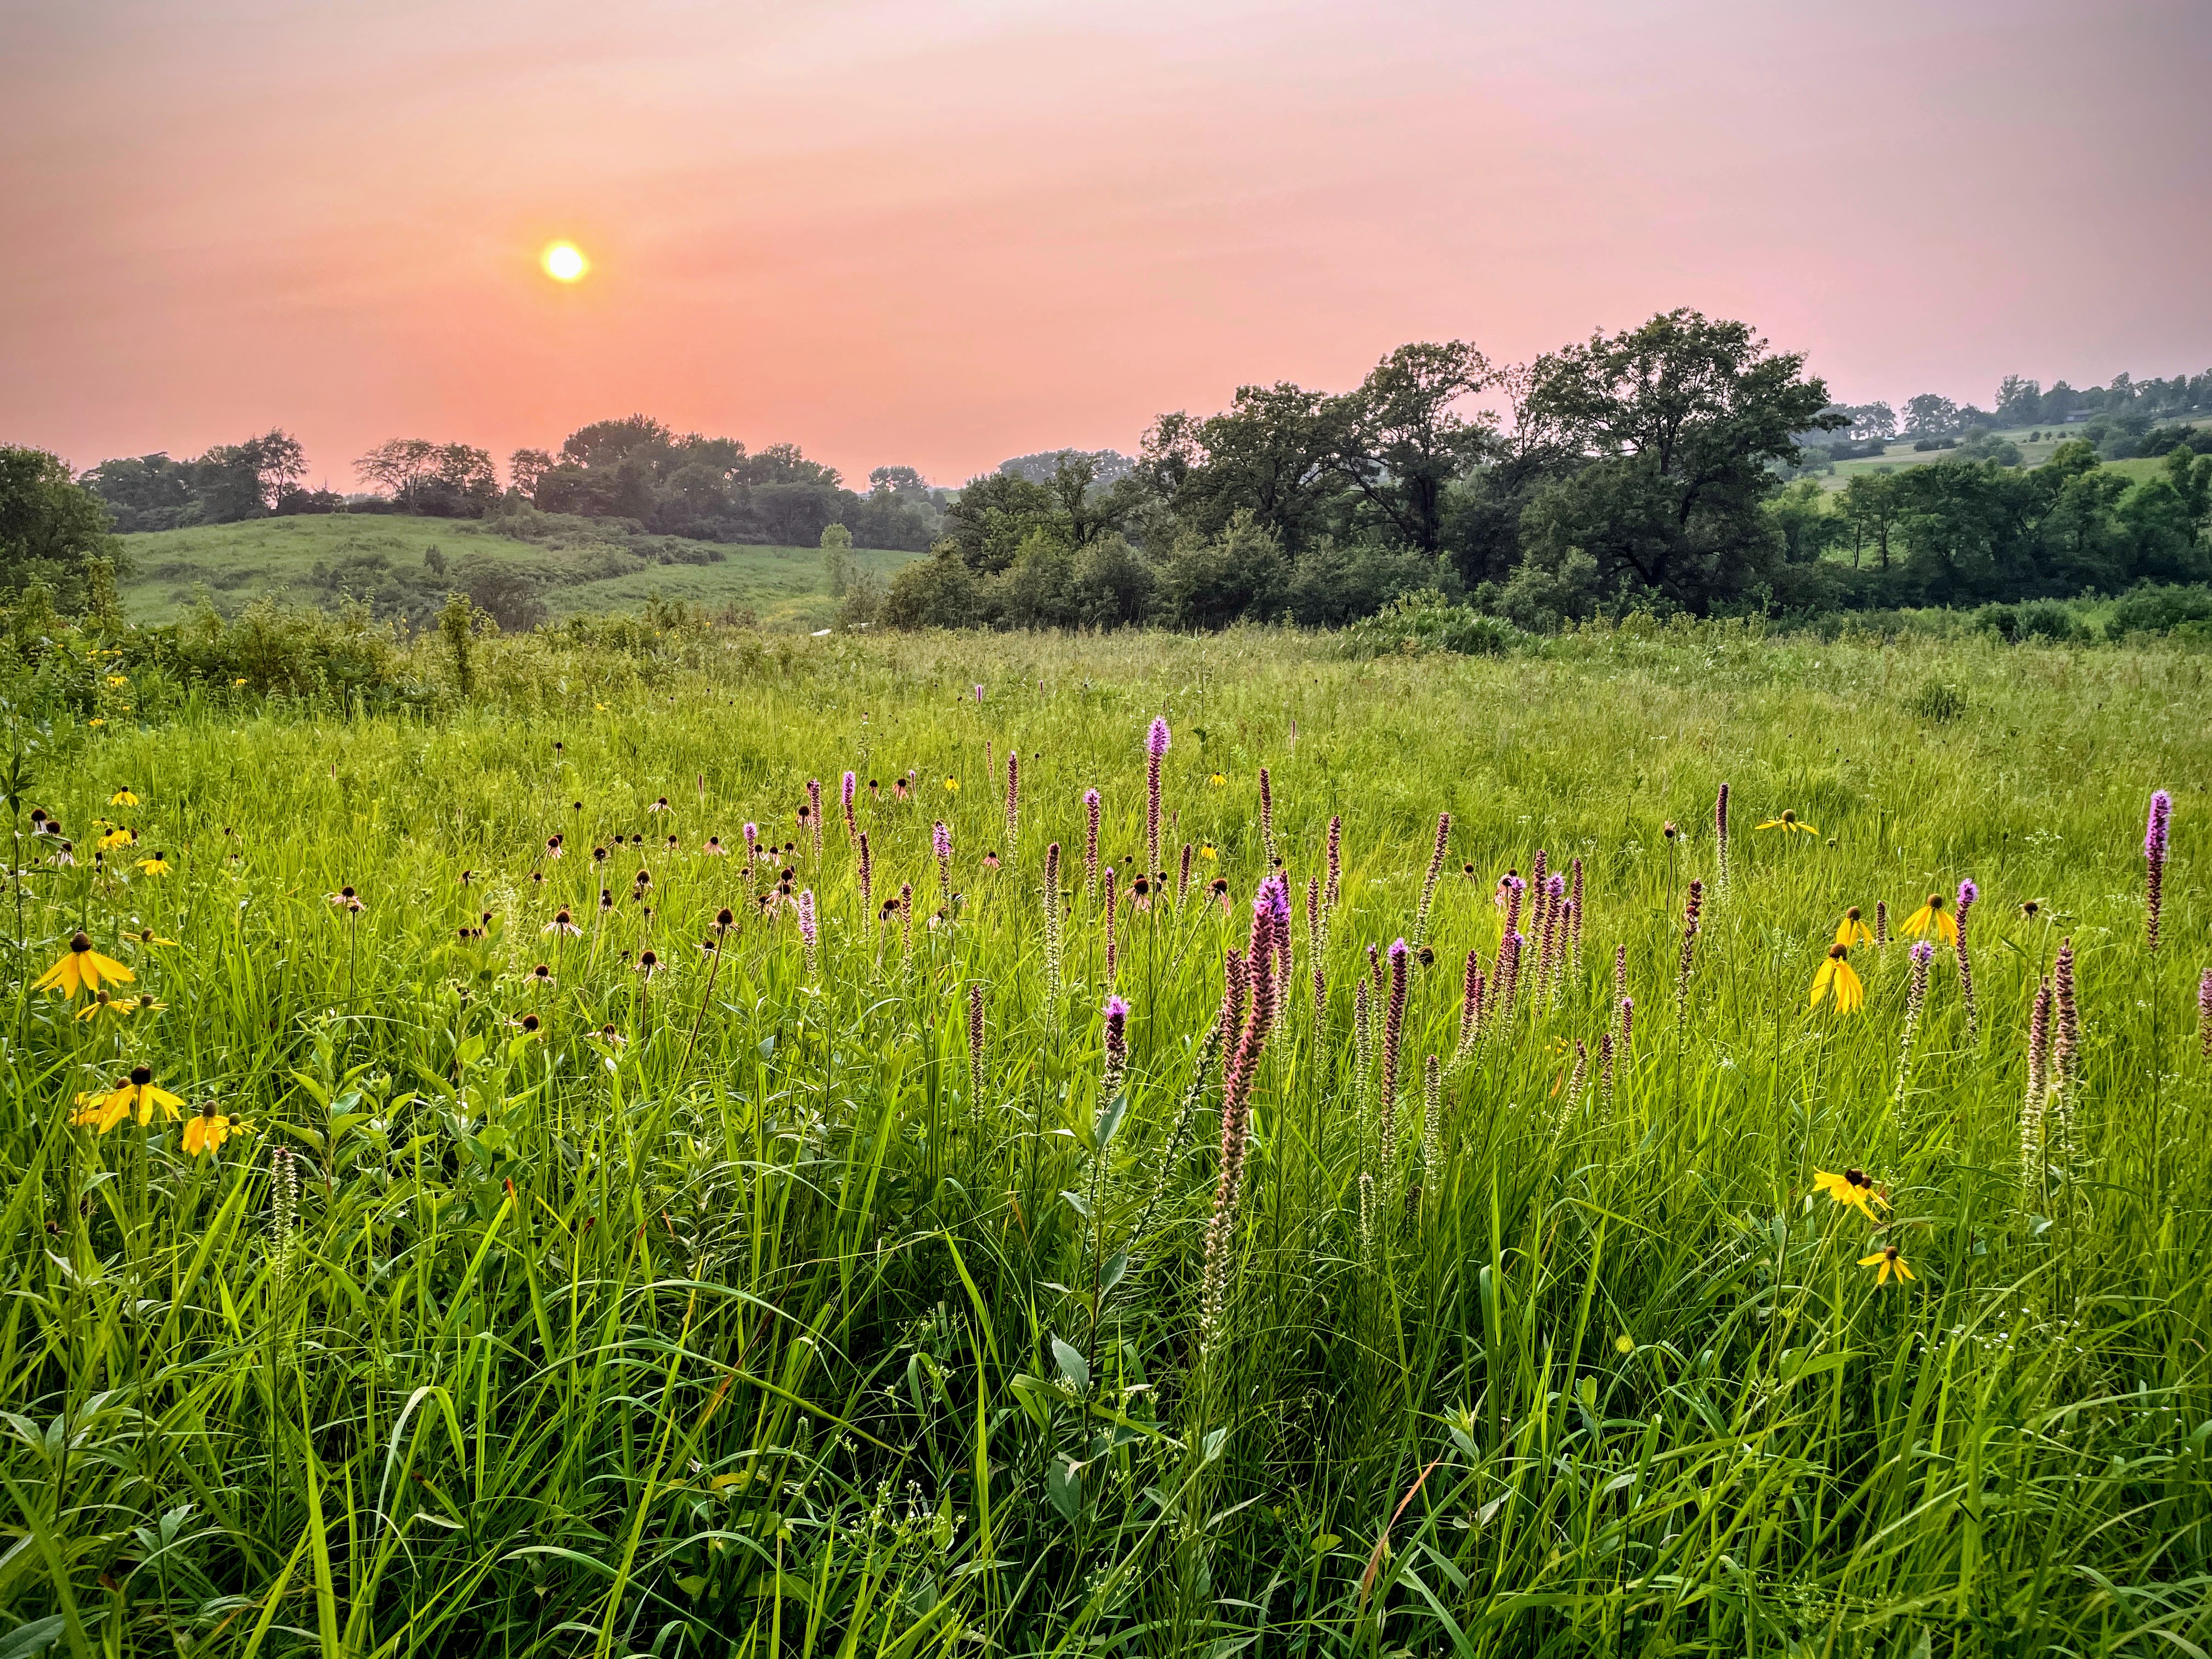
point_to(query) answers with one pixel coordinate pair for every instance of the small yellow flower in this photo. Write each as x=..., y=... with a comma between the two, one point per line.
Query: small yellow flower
x=1623, y=1343
x=119, y=679
x=1853, y=1187
x=1217, y=780
x=147, y=936
x=101, y=1004
x=206, y=1129
x=1787, y=822
x=1207, y=850
x=1837, y=977
x=952, y=786
x=82, y=968
x=118, y=836
x=156, y=865
x=1934, y=917
x=1887, y=1261
x=239, y=681
x=95, y=720
x=123, y=797
x=1852, y=929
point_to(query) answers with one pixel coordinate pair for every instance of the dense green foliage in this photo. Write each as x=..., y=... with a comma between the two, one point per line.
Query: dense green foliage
x=746, y=1306
x=52, y=530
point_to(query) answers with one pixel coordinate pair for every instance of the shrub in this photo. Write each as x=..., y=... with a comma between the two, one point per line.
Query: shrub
x=1426, y=622
x=2152, y=608
x=1938, y=700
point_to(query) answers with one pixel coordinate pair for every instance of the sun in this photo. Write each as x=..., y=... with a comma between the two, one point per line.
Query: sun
x=563, y=263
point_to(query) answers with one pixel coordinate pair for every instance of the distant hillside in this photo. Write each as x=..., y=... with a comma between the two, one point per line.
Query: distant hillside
x=405, y=567
x=2035, y=445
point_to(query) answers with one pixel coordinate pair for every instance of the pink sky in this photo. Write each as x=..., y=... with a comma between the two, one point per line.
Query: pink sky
x=942, y=234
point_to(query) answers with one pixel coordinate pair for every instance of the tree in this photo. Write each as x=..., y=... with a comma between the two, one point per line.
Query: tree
x=447, y=480
x=527, y=466
x=1684, y=420
x=1402, y=437
x=1930, y=415
x=1872, y=507
x=992, y=516
x=604, y=443
x=1273, y=453
x=51, y=528
x=837, y=559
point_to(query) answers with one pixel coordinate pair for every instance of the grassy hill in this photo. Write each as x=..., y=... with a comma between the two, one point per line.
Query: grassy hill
x=2047, y=440
x=389, y=561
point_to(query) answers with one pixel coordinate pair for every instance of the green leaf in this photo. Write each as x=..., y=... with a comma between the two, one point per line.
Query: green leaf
x=1063, y=1484
x=1072, y=1366
x=1109, y=1121
x=1116, y=1264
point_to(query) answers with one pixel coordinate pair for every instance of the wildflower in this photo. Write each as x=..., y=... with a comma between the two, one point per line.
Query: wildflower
x=83, y=967
x=648, y=963
x=1916, y=997
x=811, y=814
x=1853, y=1187
x=2155, y=837
x=1335, y=858
x=846, y=790
x=1090, y=805
x=1669, y=831
x=137, y=1093
x=898, y=788
x=1428, y=879
x=940, y=843
x=101, y=1003
x=659, y=805
x=1267, y=819
x=808, y=931
x=146, y=1004
x=1967, y=894
x=1013, y=797
x=714, y=848
x=1720, y=838
x=553, y=847
x=118, y=837
x=156, y=865
x=1787, y=822
x=1887, y=1261
x=1932, y=916
x=951, y=785
x=2031, y=908
x=1208, y=851
x=1838, y=977
x=347, y=899
x=2204, y=1015
x=1117, y=1048
x=563, y=924
x=1881, y=924
x=1694, y=904
x=207, y=1128
x=1851, y=930
x=1219, y=889
x=2037, y=1100
x=123, y=797
x=1156, y=749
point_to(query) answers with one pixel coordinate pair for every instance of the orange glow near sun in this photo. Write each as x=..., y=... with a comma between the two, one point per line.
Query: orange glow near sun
x=563, y=263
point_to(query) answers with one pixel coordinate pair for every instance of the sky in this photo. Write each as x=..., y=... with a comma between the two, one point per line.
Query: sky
x=939, y=234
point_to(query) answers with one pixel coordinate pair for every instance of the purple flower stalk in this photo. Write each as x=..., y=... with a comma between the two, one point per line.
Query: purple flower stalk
x=1967, y=894
x=2039, y=1081
x=810, y=932
x=1237, y=1080
x=1540, y=872
x=1182, y=875
x=1053, y=947
x=1916, y=998
x=1621, y=973
x=1429, y=880
x=814, y=814
x=1432, y=1118
x=1551, y=952
x=1575, y=916
x=1515, y=888
x=1880, y=923
x=2203, y=1015
x=1691, y=910
x=846, y=792
x=1112, y=942
x=1507, y=989
x=1627, y=1021
x=906, y=919
x=1267, y=818
x=1091, y=845
x=866, y=872
x=1470, y=1006
x=2066, y=1037
x=1117, y=1049
x=979, y=696
x=1334, y=888
x=1720, y=834
x=1605, y=1074
x=1013, y=798
x=940, y=842
x=2155, y=837
x=1156, y=749
x=976, y=1045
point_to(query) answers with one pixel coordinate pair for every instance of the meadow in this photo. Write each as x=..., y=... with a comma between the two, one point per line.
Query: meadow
x=321, y=560
x=500, y=1212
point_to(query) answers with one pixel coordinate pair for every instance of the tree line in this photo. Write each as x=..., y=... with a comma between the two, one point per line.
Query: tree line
x=1646, y=469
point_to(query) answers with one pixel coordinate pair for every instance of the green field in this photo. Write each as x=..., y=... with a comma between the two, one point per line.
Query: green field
x=751, y=1305
x=236, y=563
x=1840, y=473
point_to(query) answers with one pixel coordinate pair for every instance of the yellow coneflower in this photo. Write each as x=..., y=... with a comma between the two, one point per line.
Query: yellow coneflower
x=123, y=797
x=82, y=968
x=1207, y=850
x=156, y=865
x=101, y=1003
x=951, y=785
x=147, y=936
x=1217, y=780
x=1854, y=1186
x=136, y=1093
x=1837, y=977
x=118, y=836
x=1936, y=916
x=1852, y=930
x=1887, y=1261
x=1787, y=822
x=206, y=1129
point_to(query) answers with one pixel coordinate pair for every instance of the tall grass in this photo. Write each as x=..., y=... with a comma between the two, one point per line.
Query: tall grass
x=746, y=1307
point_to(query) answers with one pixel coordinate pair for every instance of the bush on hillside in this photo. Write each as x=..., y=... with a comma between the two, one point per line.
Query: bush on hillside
x=1419, y=624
